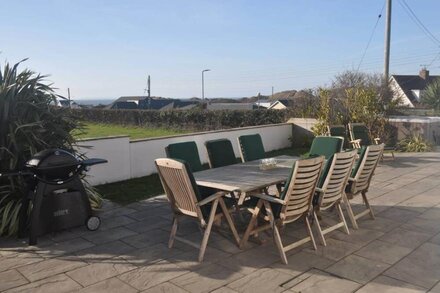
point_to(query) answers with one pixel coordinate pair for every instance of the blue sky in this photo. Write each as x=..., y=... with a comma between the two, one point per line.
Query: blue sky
x=105, y=49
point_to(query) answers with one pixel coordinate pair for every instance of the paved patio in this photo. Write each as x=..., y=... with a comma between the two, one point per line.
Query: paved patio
x=397, y=252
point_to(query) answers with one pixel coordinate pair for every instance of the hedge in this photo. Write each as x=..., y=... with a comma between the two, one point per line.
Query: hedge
x=191, y=119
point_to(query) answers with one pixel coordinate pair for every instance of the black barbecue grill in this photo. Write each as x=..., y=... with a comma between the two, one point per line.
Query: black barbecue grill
x=59, y=200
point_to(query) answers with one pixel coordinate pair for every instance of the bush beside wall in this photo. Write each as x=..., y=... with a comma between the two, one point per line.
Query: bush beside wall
x=192, y=119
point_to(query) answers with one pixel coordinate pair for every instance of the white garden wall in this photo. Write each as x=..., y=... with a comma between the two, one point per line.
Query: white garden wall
x=131, y=159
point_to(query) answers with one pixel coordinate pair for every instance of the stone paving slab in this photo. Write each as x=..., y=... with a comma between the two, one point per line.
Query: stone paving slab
x=316, y=281
x=399, y=251
x=55, y=284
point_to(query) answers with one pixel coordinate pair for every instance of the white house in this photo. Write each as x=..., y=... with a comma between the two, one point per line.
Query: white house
x=409, y=88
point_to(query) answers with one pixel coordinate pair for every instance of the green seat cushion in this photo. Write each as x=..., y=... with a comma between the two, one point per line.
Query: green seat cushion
x=361, y=132
x=221, y=153
x=252, y=147
x=338, y=131
x=186, y=151
x=326, y=146
x=325, y=171
x=356, y=166
x=362, y=151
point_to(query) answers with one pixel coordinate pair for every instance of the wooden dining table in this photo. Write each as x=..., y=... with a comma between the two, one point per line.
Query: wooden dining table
x=245, y=177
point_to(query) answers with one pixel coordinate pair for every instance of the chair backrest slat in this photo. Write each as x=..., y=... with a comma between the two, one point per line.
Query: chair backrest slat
x=367, y=166
x=178, y=187
x=337, y=176
x=300, y=189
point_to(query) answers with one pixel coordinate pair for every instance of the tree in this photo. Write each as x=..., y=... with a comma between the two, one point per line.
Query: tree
x=355, y=79
x=356, y=97
x=431, y=96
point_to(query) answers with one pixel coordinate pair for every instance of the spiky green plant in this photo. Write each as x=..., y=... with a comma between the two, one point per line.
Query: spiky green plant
x=431, y=96
x=414, y=143
x=28, y=124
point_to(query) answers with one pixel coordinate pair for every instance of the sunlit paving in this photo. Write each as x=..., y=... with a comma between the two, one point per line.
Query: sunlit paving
x=399, y=248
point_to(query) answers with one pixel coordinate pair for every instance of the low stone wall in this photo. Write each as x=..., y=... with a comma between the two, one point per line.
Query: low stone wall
x=131, y=159
x=302, y=131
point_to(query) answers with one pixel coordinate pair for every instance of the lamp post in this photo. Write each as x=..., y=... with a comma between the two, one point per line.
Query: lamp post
x=203, y=83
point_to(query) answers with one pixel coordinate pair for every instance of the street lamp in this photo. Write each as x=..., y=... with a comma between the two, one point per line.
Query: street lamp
x=203, y=83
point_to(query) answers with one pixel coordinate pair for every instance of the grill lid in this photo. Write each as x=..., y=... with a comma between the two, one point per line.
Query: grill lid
x=52, y=158
x=54, y=164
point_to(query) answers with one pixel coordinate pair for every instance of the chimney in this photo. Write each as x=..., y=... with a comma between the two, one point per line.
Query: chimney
x=424, y=74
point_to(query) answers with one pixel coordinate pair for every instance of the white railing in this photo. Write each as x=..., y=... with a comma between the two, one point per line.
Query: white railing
x=131, y=159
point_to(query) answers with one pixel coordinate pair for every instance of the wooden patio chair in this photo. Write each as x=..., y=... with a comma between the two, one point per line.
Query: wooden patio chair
x=186, y=151
x=360, y=137
x=359, y=180
x=326, y=146
x=251, y=147
x=295, y=203
x=331, y=188
x=186, y=201
x=220, y=153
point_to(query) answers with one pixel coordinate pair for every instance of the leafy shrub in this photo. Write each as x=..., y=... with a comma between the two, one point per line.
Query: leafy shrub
x=28, y=124
x=191, y=119
x=356, y=97
x=414, y=143
x=323, y=113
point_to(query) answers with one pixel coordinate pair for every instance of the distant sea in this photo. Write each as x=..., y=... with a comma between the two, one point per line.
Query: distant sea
x=93, y=102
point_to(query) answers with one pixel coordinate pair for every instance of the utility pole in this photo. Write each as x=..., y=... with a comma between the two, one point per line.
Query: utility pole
x=149, y=92
x=203, y=83
x=68, y=97
x=272, y=92
x=386, y=71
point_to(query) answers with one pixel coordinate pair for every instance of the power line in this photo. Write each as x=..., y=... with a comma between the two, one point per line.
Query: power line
x=371, y=37
x=435, y=58
x=418, y=22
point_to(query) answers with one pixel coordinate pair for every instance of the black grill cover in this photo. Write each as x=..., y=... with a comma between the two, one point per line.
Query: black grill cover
x=54, y=164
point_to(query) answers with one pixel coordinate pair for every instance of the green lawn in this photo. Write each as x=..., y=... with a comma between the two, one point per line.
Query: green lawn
x=93, y=130
x=125, y=192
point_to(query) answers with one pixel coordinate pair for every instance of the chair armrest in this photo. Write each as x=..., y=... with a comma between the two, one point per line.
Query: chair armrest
x=356, y=143
x=320, y=190
x=320, y=194
x=211, y=198
x=269, y=198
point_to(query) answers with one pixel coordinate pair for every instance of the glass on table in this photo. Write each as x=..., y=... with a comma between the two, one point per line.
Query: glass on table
x=268, y=163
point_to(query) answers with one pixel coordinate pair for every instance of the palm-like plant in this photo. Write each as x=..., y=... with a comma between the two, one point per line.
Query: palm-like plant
x=431, y=96
x=29, y=123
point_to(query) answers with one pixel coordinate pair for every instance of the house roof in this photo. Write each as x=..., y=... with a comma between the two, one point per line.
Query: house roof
x=230, y=106
x=413, y=82
x=124, y=105
x=155, y=103
x=285, y=102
